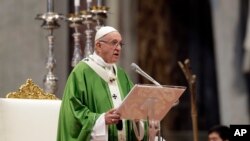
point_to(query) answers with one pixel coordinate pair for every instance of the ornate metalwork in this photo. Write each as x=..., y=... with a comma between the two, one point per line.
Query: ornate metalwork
x=99, y=15
x=95, y=14
x=30, y=90
x=88, y=21
x=75, y=22
x=50, y=22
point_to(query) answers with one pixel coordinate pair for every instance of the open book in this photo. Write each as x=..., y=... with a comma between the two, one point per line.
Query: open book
x=149, y=101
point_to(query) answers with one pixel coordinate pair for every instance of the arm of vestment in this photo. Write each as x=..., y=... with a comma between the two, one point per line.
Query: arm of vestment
x=80, y=119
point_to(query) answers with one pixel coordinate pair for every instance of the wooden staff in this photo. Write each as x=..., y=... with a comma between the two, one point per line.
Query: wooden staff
x=191, y=79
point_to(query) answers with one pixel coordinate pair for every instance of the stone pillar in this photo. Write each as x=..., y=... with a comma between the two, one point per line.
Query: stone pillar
x=231, y=84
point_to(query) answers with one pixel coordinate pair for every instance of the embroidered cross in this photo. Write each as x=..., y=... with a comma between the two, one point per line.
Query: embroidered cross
x=114, y=96
x=112, y=80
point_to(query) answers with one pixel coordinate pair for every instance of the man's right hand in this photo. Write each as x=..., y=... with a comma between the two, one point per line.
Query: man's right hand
x=111, y=117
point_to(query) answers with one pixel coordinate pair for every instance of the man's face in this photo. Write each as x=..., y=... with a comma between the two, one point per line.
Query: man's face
x=214, y=137
x=109, y=47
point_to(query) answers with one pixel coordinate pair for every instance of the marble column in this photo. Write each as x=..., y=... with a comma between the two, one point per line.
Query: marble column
x=231, y=84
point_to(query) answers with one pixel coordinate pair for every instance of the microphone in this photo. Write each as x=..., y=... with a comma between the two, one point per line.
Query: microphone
x=141, y=72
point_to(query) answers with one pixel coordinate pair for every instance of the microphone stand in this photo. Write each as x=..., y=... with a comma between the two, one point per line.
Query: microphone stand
x=144, y=74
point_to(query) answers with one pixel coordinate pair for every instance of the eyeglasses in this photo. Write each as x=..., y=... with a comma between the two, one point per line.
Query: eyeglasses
x=113, y=43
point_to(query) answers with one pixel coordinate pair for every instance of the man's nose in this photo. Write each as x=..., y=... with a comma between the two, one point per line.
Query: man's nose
x=118, y=47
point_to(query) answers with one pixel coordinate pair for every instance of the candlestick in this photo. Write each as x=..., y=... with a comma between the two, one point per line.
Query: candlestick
x=88, y=21
x=50, y=5
x=50, y=23
x=99, y=14
x=50, y=80
x=77, y=54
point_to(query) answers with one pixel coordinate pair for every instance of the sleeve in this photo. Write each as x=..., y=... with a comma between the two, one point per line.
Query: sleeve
x=100, y=130
x=76, y=119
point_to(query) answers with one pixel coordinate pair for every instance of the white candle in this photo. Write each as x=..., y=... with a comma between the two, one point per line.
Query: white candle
x=77, y=3
x=77, y=6
x=50, y=5
x=99, y=2
x=88, y=4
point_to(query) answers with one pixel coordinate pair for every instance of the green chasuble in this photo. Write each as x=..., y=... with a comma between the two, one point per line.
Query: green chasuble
x=86, y=97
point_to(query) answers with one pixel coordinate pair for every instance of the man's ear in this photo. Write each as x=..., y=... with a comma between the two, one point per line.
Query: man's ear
x=98, y=46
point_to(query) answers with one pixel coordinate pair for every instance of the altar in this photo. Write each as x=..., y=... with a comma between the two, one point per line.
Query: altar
x=28, y=119
x=29, y=114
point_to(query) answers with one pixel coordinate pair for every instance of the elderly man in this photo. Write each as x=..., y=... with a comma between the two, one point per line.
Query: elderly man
x=94, y=89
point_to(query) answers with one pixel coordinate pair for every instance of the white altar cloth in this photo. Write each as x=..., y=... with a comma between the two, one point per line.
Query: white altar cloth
x=28, y=119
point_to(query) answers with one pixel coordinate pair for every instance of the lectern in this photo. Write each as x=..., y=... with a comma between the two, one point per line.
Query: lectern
x=150, y=103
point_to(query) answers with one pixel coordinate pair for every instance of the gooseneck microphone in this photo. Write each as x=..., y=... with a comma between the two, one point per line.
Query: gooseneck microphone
x=141, y=72
x=137, y=69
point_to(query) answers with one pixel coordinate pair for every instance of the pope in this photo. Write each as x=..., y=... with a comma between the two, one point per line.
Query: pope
x=94, y=89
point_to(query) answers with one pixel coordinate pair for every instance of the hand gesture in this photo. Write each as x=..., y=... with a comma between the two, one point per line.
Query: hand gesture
x=111, y=117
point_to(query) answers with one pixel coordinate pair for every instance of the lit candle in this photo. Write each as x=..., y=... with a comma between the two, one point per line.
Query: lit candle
x=50, y=5
x=77, y=6
x=88, y=4
x=99, y=2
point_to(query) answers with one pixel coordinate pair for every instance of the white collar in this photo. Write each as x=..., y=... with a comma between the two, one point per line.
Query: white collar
x=105, y=70
x=98, y=59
